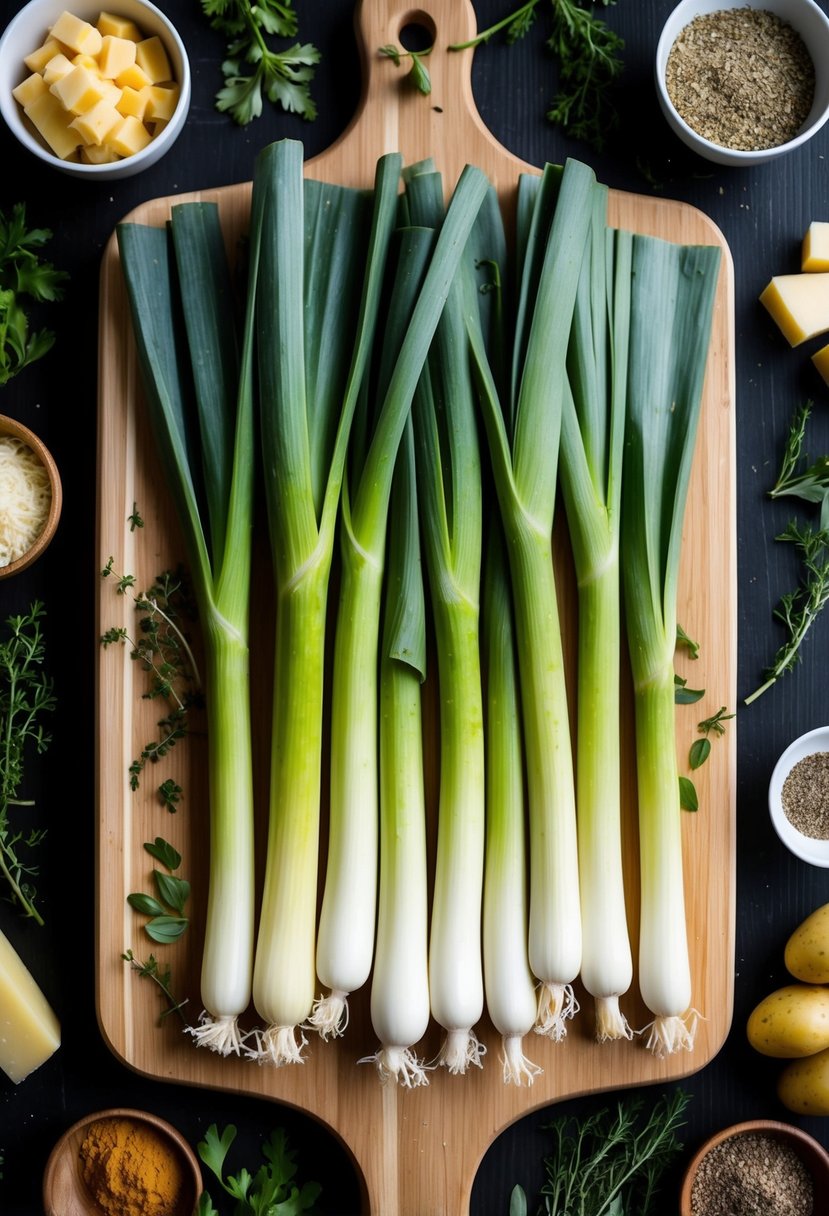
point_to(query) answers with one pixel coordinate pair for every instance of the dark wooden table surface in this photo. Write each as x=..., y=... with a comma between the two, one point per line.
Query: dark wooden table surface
x=763, y=213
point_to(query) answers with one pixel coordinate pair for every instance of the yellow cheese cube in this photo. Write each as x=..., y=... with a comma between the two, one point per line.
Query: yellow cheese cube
x=29, y=89
x=48, y=116
x=29, y=1029
x=799, y=303
x=92, y=154
x=57, y=67
x=151, y=57
x=132, y=103
x=84, y=61
x=38, y=59
x=133, y=78
x=96, y=123
x=821, y=362
x=129, y=137
x=161, y=102
x=118, y=27
x=117, y=54
x=79, y=35
x=79, y=90
x=816, y=247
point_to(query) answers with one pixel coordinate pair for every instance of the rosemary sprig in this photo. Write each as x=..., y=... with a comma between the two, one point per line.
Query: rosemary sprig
x=810, y=483
x=26, y=693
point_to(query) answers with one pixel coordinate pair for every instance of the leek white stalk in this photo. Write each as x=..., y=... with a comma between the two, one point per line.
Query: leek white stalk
x=400, y=980
x=207, y=442
x=592, y=444
x=449, y=490
x=509, y=983
x=672, y=299
x=524, y=457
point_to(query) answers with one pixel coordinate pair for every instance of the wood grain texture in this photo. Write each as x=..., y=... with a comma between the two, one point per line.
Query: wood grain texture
x=416, y=1151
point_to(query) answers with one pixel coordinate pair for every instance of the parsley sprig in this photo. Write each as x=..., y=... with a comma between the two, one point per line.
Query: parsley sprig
x=589, y=59
x=26, y=693
x=253, y=68
x=271, y=1189
x=23, y=276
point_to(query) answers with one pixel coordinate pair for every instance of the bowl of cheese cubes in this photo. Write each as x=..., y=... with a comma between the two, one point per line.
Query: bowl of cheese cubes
x=94, y=91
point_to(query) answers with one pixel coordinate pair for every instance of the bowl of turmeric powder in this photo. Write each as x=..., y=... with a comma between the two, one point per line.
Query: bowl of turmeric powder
x=121, y=1162
x=30, y=490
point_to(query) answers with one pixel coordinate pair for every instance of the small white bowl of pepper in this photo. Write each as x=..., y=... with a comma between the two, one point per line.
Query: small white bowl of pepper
x=799, y=797
x=743, y=83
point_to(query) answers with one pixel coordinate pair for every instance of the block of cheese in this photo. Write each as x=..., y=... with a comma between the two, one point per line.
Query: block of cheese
x=29, y=1029
x=77, y=34
x=52, y=121
x=799, y=303
x=151, y=57
x=821, y=361
x=118, y=27
x=816, y=247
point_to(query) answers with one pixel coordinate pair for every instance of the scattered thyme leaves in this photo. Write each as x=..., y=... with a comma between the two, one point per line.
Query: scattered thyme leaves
x=26, y=693
x=589, y=59
x=418, y=74
x=151, y=970
x=252, y=68
x=24, y=276
x=271, y=1189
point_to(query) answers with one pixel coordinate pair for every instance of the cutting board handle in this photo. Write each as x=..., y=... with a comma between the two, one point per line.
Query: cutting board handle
x=394, y=116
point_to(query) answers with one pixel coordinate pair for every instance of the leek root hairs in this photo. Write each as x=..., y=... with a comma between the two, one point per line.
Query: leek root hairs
x=518, y=1070
x=278, y=1045
x=219, y=1034
x=398, y=1065
x=460, y=1049
x=556, y=1005
x=671, y=1033
x=611, y=1023
x=329, y=1017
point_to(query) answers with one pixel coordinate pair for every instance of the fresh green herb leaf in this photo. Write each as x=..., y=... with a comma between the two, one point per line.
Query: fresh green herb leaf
x=164, y=852
x=683, y=695
x=418, y=74
x=26, y=694
x=161, y=978
x=682, y=639
x=699, y=753
x=22, y=275
x=135, y=520
x=165, y=929
x=588, y=53
x=145, y=904
x=172, y=891
x=271, y=1191
x=253, y=70
x=715, y=722
x=171, y=895
x=701, y=748
x=169, y=792
x=688, y=799
x=517, y=1202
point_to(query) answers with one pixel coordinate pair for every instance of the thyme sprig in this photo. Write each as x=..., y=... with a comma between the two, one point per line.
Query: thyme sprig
x=150, y=969
x=26, y=693
x=589, y=59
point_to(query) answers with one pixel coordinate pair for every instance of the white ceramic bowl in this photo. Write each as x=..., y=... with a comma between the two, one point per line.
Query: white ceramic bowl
x=816, y=852
x=804, y=16
x=27, y=30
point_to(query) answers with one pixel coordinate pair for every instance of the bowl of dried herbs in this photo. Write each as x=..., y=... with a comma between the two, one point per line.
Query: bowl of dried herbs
x=744, y=83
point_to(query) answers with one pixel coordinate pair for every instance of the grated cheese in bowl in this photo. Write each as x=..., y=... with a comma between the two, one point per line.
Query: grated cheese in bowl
x=25, y=498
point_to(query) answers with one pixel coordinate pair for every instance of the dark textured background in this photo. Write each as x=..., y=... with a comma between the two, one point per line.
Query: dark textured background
x=763, y=213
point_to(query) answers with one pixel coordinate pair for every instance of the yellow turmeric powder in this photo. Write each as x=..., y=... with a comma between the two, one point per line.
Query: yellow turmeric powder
x=131, y=1170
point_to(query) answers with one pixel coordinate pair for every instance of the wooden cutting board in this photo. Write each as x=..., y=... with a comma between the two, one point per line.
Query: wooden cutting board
x=416, y=1151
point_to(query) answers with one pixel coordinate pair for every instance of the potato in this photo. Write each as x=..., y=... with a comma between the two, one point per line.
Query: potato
x=803, y=1085
x=791, y=1022
x=807, y=950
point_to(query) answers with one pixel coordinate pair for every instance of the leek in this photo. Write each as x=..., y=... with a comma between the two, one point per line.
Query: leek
x=524, y=458
x=672, y=301
x=200, y=403
x=592, y=442
x=400, y=979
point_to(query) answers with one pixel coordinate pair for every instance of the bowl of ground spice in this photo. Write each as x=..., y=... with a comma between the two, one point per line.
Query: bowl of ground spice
x=31, y=494
x=121, y=1163
x=762, y=1166
x=744, y=83
x=799, y=797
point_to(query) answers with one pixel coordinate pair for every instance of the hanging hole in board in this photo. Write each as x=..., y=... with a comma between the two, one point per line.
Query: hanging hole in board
x=417, y=33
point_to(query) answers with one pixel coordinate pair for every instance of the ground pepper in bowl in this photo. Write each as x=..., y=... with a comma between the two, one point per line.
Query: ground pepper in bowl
x=752, y=1174
x=805, y=796
x=741, y=78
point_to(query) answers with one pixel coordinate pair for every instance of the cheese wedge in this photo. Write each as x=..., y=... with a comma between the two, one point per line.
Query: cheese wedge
x=29, y=1029
x=821, y=361
x=799, y=303
x=815, y=255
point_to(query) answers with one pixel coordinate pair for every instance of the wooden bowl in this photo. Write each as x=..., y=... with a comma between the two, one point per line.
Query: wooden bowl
x=9, y=426
x=813, y=1155
x=65, y=1192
